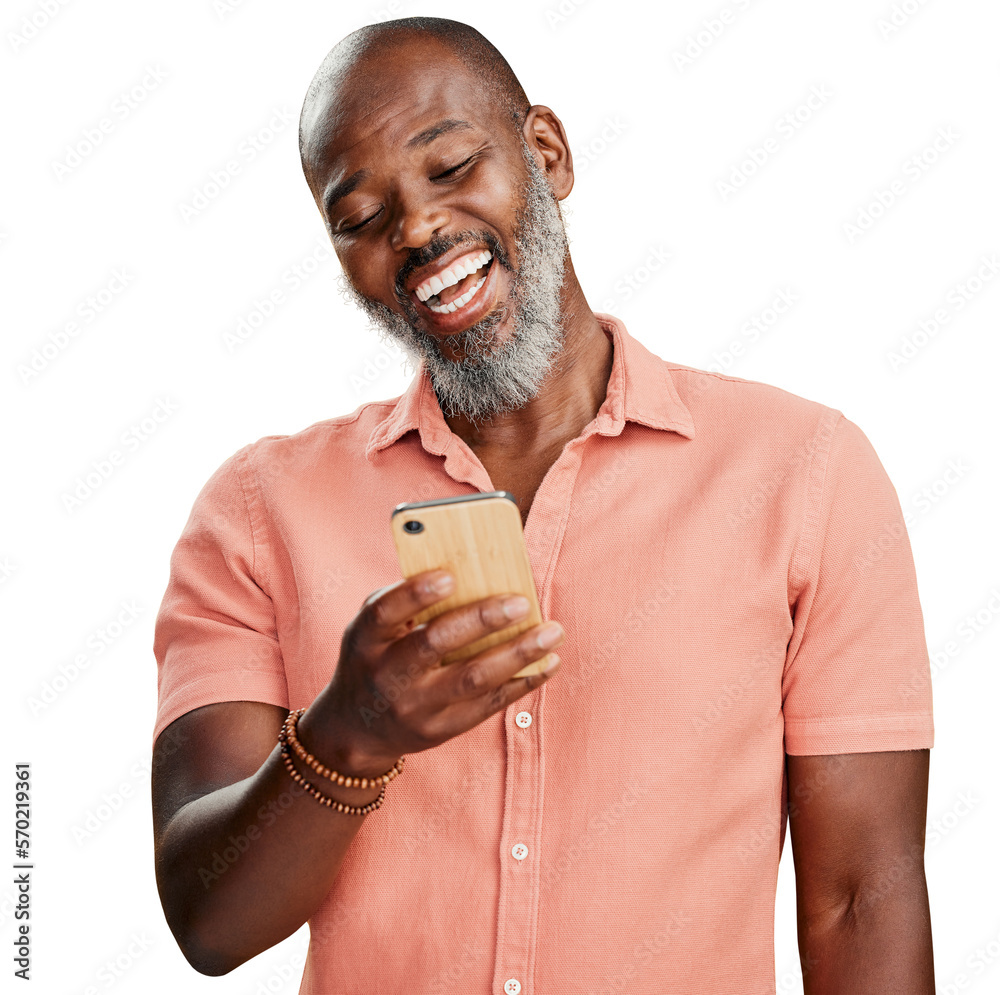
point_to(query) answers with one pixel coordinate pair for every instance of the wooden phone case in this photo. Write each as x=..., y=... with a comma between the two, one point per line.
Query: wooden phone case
x=479, y=540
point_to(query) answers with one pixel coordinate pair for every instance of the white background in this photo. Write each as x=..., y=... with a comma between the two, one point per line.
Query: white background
x=651, y=139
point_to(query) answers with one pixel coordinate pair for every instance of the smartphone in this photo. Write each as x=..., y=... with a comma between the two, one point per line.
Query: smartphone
x=479, y=540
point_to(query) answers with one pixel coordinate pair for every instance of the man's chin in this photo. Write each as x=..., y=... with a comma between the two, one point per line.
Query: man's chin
x=405, y=331
x=488, y=369
x=473, y=346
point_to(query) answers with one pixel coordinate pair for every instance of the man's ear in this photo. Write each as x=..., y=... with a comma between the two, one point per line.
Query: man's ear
x=546, y=137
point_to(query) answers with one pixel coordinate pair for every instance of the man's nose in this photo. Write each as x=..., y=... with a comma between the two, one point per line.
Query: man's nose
x=416, y=222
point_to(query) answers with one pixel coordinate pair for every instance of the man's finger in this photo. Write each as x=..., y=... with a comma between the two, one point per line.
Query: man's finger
x=490, y=675
x=388, y=612
x=462, y=625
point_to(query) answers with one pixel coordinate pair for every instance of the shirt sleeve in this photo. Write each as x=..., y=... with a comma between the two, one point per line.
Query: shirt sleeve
x=215, y=636
x=857, y=674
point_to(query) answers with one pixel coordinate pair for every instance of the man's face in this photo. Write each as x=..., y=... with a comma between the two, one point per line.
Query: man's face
x=450, y=238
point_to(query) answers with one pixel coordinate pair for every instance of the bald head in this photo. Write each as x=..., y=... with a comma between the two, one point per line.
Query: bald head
x=348, y=60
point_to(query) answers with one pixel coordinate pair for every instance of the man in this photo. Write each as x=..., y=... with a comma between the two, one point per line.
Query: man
x=723, y=564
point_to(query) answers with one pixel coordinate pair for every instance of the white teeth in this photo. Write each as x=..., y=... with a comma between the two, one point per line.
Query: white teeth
x=458, y=302
x=452, y=276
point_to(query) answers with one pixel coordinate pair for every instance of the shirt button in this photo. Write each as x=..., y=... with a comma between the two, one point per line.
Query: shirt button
x=523, y=719
x=512, y=986
x=519, y=851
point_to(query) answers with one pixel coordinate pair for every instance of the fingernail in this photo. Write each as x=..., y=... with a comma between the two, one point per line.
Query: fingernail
x=552, y=664
x=516, y=606
x=549, y=635
x=442, y=584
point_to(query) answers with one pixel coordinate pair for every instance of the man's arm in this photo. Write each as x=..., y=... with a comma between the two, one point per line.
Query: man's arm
x=857, y=826
x=243, y=856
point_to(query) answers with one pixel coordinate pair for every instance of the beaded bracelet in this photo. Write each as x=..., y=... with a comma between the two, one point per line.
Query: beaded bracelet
x=289, y=735
x=326, y=799
x=287, y=740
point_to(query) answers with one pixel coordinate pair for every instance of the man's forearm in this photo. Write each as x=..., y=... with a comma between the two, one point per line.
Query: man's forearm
x=875, y=942
x=243, y=867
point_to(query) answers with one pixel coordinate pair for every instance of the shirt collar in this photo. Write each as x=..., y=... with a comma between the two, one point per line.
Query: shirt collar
x=640, y=389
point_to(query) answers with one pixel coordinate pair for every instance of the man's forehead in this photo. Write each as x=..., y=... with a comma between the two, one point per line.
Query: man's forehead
x=395, y=103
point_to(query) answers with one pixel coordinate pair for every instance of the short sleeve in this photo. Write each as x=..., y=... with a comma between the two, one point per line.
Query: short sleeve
x=215, y=636
x=857, y=673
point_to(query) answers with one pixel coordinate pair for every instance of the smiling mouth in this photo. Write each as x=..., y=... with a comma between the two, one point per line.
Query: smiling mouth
x=457, y=286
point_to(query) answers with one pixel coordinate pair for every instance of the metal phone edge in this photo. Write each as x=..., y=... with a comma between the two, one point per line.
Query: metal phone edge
x=414, y=505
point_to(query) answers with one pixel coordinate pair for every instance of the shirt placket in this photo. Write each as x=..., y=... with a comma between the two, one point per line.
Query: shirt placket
x=521, y=835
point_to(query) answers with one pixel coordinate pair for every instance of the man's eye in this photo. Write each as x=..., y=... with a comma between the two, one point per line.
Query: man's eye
x=361, y=224
x=455, y=169
x=448, y=172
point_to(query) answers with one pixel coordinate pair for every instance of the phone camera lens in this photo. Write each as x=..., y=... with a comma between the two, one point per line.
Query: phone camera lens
x=413, y=526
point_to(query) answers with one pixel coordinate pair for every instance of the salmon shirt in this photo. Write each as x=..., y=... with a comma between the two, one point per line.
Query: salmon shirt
x=731, y=566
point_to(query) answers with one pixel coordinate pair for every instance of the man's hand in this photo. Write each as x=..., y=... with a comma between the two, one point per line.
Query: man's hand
x=384, y=657
x=857, y=829
x=218, y=774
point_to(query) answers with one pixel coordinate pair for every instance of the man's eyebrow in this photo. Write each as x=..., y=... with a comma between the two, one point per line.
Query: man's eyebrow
x=343, y=188
x=428, y=135
x=425, y=137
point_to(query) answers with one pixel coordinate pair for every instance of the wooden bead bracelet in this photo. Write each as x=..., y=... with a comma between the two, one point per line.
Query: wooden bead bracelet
x=326, y=799
x=290, y=743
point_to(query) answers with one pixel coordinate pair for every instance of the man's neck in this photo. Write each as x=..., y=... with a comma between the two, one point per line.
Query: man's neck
x=568, y=399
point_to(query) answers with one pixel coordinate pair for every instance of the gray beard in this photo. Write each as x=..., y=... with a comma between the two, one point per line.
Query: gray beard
x=490, y=379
